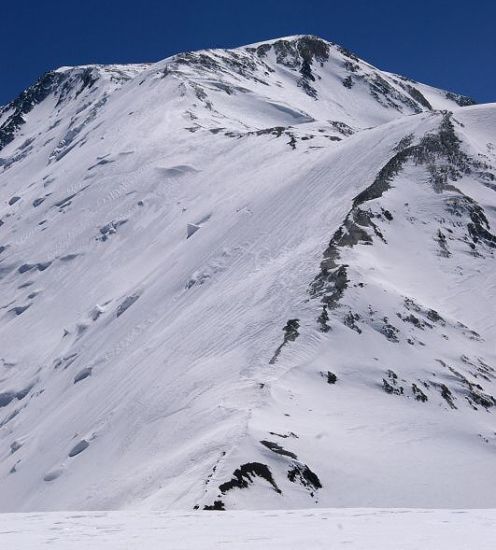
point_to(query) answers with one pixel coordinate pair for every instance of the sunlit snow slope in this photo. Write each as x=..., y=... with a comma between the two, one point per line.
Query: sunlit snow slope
x=251, y=278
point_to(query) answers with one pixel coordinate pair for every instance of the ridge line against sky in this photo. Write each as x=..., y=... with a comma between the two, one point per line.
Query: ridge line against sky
x=441, y=43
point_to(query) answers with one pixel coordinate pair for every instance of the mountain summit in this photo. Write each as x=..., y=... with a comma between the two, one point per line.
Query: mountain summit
x=249, y=278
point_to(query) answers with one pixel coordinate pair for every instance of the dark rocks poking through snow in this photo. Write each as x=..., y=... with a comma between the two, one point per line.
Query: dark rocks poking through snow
x=415, y=321
x=474, y=392
x=284, y=436
x=391, y=384
x=50, y=82
x=331, y=377
x=341, y=127
x=301, y=473
x=446, y=394
x=298, y=472
x=350, y=320
x=470, y=390
x=276, y=448
x=218, y=505
x=430, y=314
x=389, y=331
x=290, y=335
x=444, y=159
x=462, y=100
x=109, y=229
x=417, y=95
x=332, y=280
x=348, y=82
x=299, y=54
x=246, y=474
x=418, y=393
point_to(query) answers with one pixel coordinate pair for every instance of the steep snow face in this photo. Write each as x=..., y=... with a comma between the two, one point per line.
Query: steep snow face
x=251, y=278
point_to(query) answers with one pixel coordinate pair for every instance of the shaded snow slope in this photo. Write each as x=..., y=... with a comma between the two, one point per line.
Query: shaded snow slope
x=251, y=278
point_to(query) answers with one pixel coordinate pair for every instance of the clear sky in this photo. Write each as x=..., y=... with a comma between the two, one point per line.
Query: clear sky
x=450, y=44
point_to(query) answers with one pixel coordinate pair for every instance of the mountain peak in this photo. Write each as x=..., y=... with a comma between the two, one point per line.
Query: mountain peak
x=224, y=274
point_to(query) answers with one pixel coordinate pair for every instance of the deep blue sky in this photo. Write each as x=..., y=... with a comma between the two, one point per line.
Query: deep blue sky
x=450, y=44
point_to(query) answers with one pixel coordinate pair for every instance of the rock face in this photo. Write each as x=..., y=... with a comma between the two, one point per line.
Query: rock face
x=250, y=278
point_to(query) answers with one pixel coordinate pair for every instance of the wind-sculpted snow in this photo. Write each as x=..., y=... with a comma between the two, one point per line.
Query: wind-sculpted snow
x=251, y=278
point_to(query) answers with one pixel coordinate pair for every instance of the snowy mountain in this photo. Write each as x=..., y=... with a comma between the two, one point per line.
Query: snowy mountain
x=249, y=278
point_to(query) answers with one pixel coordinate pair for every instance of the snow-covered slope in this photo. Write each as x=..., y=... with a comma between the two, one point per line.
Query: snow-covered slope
x=251, y=278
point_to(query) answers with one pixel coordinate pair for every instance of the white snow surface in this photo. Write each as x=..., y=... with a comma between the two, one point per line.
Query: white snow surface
x=356, y=529
x=161, y=224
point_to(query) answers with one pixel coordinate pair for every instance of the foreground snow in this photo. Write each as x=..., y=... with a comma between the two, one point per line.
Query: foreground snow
x=351, y=528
